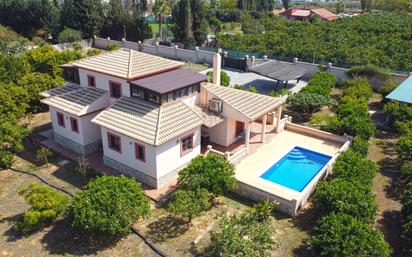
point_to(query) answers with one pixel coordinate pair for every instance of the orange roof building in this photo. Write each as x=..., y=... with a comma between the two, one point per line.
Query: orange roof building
x=306, y=14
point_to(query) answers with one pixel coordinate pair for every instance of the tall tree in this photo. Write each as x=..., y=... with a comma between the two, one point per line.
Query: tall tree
x=83, y=15
x=160, y=9
x=286, y=4
x=200, y=22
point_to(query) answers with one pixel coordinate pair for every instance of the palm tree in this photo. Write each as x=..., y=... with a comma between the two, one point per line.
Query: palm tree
x=160, y=9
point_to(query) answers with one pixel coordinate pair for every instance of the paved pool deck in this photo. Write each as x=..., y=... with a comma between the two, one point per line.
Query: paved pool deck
x=249, y=170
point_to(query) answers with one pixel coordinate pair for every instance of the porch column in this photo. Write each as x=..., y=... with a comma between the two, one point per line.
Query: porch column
x=278, y=117
x=247, y=136
x=263, y=133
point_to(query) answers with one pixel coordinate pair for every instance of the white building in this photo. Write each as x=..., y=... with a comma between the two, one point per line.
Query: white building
x=149, y=115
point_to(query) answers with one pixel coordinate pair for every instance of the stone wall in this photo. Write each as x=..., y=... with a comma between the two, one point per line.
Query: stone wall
x=76, y=147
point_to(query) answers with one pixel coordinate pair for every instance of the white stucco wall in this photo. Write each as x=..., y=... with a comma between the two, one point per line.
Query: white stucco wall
x=88, y=131
x=127, y=155
x=224, y=133
x=102, y=81
x=169, y=157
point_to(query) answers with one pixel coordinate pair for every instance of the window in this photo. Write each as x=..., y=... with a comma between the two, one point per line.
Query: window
x=190, y=90
x=91, y=80
x=153, y=98
x=115, y=89
x=186, y=144
x=60, y=119
x=139, y=151
x=196, y=88
x=74, y=124
x=137, y=93
x=114, y=142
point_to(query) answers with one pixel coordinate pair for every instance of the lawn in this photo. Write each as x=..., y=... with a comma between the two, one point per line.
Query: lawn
x=169, y=234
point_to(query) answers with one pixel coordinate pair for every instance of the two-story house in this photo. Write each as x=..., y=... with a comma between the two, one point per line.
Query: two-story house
x=148, y=114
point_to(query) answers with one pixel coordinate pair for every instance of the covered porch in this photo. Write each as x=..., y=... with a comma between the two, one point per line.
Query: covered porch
x=249, y=136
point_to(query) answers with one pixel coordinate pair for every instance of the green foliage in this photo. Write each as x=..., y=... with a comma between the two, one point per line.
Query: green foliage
x=360, y=145
x=354, y=118
x=404, y=147
x=93, y=52
x=406, y=170
x=35, y=83
x=190, y=21
x=46, y=205
x=282, y=92
x=262, y=211
x=342, y=235
x=12, y=68
x=108, y=206
x=382, y=39
x=343, y=196
x=321, y=83
x=368, y=70
x=241, y=235
x=398, y=113
x=44, y=154
x=358, y=88
x=189, y=204
x=237, y=86
x=212, y=172
x=309, y=102
x=45, y=59
x=112, y=46
x=69, y=35
x=224, y=78
x=85, y=16
x=388, y=87
x=11, y=136
x=351, y=165
x=252, y=89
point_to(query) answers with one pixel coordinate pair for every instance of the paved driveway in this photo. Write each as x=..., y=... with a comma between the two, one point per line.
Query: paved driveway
x=262, y=84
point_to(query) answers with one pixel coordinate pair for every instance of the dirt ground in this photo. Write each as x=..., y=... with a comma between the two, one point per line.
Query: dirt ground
x=169, y=234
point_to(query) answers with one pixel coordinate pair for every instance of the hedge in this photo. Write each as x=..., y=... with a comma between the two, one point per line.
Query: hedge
x=321, y=83
x=353, y=166
x=342, y=235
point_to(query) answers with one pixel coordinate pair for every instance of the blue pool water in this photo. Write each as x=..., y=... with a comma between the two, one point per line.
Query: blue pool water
x=296, y=169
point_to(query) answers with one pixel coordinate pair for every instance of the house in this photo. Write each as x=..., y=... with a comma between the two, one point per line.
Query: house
x=302, y=14
x=148, y=115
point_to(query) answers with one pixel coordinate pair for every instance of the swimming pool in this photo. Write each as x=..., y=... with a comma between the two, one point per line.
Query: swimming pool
x=296, y=169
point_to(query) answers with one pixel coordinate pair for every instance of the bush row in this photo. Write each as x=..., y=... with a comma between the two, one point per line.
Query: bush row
x=321, y=83
x=348, y=209
x=346, y=203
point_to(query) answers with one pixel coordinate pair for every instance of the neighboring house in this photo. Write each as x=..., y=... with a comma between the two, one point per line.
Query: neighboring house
x=149, y=115
x=302, y=14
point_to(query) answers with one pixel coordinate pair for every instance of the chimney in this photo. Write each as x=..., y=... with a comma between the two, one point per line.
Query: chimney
x=217, y=63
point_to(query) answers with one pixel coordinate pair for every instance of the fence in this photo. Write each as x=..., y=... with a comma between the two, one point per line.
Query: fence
x=232, y=59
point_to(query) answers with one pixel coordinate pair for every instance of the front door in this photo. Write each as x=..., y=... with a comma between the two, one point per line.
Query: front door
x=240, y=128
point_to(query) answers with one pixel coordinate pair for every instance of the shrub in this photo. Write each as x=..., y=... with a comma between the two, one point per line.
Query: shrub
x=237, y=86
x=321, y=83
x=368, y=70
x=44, y=154
x=189, y=204
x=241, y=236
x=212, y=173
x=112, y=46
x=309, y=102
x=404, y=147
x=354, y=118
x=252, y=89
x=342, y=196
x=69, y=35
x=407, y=233
x=398, y=111
x=406, y=170
x=282, y=92
x=262, y=211
x=108, y=206
x=343, y=235
x=360, y=145
x=406, y=201
x=388, y=87
x=93, y=52
x=224, y=78
x=352, y=165
x=46, y=205
x=358, y=88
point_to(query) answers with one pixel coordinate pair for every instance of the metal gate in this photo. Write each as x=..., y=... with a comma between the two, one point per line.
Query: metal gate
x=235, y=63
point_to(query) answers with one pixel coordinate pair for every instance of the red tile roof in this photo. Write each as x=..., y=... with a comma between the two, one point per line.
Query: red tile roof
x=300, y=12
